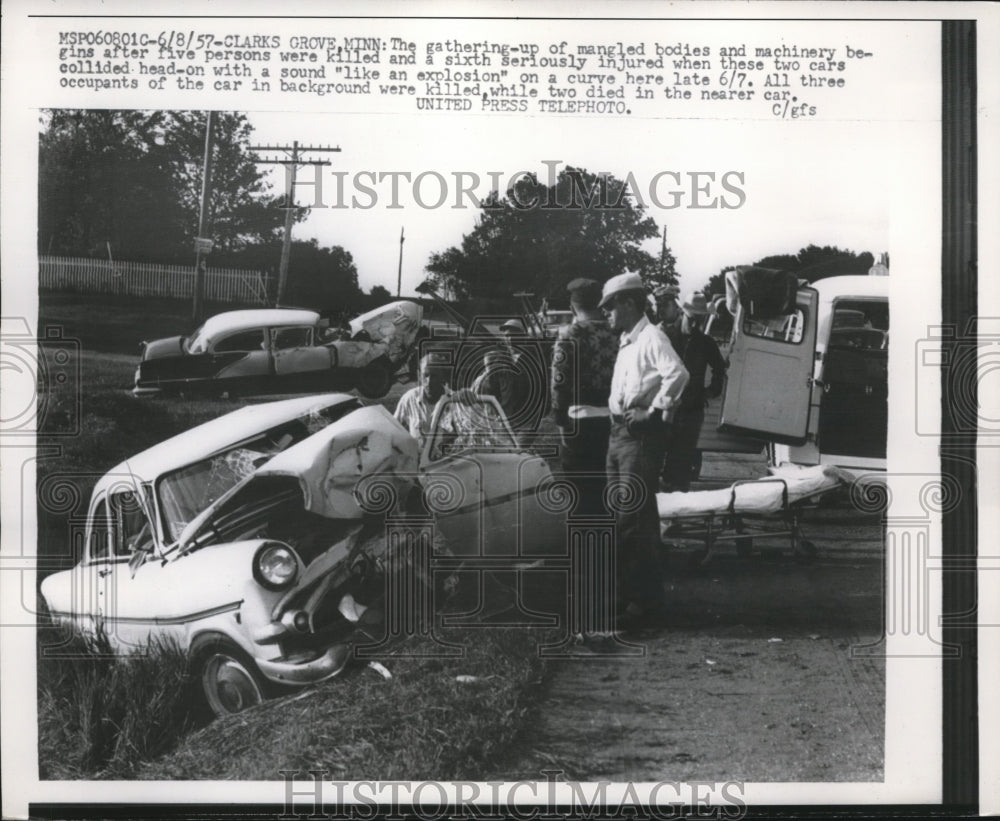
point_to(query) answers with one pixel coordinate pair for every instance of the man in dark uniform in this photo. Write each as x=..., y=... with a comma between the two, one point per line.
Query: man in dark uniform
x=699, y=352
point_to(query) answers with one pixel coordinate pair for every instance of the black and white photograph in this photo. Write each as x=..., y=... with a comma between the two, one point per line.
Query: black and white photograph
x=464, y=407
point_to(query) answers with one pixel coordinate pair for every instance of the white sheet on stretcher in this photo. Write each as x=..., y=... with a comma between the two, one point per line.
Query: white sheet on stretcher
x=759, y=496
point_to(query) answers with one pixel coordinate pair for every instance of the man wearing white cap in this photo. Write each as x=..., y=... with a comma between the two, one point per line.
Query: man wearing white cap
x=646, y=386
x=698, y=352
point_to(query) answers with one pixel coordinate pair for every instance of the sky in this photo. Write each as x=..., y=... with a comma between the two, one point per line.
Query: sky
x=804, y=182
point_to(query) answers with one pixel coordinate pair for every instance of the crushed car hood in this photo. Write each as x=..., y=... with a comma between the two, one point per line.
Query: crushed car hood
x=363, y=463
x=367, y=456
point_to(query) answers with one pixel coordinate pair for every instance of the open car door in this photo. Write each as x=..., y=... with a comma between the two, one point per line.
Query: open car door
x=490, y=497
x=770, y=377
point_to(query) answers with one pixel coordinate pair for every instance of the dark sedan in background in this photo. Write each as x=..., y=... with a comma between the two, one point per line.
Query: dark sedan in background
x=282, y=350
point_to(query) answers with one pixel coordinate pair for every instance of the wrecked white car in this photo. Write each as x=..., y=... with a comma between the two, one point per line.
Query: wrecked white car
x=248, y=540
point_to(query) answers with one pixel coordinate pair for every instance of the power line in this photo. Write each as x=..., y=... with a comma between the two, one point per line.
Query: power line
x=294, y=160
x=201, y=246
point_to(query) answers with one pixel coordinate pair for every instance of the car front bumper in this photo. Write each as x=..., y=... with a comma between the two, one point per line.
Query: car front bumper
x=307, y=670
x=137, y=391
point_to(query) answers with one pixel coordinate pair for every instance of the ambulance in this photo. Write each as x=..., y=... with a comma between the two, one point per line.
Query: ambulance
x=808, y=373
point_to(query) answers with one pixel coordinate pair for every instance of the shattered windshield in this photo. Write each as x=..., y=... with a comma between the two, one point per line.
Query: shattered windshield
x=187, y=491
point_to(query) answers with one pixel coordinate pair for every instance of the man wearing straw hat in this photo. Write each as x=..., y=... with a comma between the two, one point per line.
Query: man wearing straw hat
x=698, y=352
x=646, y=387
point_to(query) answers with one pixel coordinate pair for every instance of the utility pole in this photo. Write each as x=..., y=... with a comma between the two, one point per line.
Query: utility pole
x=292, y=164
x=663, y=253
x=201, y=244
x=399, y=271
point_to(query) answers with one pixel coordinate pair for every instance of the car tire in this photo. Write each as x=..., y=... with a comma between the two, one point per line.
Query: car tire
x=226, y=676
x=374, y=380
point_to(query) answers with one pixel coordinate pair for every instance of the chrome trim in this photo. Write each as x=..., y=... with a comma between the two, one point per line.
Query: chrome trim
x=200, y=614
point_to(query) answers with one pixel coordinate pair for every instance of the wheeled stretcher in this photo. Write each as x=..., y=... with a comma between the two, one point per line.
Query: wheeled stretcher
x=769, y=507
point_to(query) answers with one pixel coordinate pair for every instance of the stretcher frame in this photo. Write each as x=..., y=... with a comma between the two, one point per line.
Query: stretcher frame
x=742, y=527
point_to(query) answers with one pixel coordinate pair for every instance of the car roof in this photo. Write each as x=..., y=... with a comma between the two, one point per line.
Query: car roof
x=215, y=435
x=832, y=288
x=257, y=318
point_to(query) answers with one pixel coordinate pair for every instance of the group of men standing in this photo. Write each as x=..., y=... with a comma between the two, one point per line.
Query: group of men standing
x=628, y=397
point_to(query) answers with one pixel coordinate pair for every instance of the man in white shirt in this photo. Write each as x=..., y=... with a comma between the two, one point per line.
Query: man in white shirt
x=646, y=388
x=416, y=407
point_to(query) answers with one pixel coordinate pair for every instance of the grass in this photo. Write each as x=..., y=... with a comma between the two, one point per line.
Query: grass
x=422, y=723
x=101, y=717
x=137, y=717
x=117, y=324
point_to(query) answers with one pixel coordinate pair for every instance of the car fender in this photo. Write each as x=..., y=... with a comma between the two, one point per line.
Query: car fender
x=58, y=593
x=212, y=588
x=167, y=348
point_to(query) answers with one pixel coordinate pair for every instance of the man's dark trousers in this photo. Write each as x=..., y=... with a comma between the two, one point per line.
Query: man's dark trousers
x=584, y=460
x=635, y=458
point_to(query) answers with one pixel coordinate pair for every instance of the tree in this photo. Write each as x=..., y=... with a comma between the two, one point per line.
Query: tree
x=323, y=279
x=812, y=263
x=539, y=237
x=104, y=180
x=241, y=210
x=129, y=183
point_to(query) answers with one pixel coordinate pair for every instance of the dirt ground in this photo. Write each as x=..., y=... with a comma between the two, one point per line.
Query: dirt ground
x=764, y=669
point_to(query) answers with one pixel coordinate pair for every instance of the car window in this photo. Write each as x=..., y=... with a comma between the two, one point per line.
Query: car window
x=788, y=328
x=130, y=527
x=244, y=341
x=187, y=492
x=868, y=339
x=469, y=423
x=283, y=338
x=861, y=313
x=197, y=342
x=99, y=533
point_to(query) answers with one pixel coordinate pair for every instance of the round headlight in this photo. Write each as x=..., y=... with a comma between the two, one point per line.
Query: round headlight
x=275, y=566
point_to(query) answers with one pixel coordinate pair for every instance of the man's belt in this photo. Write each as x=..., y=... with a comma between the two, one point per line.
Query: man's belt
x=588, y=411
x=621, y=419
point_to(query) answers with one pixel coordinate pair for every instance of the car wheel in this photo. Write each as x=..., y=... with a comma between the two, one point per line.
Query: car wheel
x=229, y=680
x=374, y=380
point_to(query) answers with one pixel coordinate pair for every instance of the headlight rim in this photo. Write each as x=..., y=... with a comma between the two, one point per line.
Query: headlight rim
x=258, y=574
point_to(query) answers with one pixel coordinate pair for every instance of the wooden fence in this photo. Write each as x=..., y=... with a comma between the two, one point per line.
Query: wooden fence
x=147, y=279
